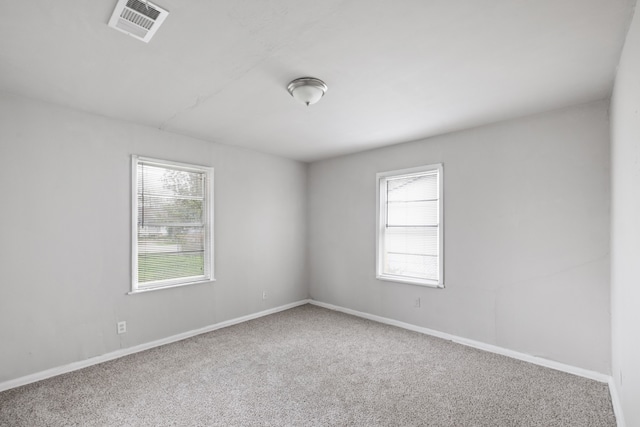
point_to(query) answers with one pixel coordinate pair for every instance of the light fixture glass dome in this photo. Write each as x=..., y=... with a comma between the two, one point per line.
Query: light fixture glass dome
x=307, y=90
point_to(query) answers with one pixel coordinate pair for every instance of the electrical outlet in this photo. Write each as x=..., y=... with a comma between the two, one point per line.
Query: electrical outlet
x=264, y=294
x=416, y=303
x=122, y=327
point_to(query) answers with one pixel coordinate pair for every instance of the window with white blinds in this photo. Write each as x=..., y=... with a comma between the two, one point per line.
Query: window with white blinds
x=410, y=226
x=172, y=224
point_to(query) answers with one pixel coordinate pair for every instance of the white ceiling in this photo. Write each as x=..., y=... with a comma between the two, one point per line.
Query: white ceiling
x=396, y=70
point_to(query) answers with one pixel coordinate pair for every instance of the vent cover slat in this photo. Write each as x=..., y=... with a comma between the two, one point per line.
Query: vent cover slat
x=136, y=18
x=145, y=9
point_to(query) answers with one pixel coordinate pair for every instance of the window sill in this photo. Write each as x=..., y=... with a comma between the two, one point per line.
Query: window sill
x=159, y=288
x=409, y=281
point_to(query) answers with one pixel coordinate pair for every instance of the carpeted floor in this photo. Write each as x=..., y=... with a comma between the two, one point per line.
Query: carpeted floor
x=309, y=366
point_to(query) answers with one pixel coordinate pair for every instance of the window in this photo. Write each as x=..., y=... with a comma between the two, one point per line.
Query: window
x=172, y=241
x=409, y=237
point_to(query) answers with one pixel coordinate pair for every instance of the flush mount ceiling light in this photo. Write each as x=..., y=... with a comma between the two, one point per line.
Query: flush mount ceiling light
x=307, y=90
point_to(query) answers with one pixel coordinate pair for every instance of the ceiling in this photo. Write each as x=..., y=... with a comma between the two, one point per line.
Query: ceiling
x=397, y=71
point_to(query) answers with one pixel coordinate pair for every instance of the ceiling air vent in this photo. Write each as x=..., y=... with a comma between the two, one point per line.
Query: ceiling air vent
x=138, y=18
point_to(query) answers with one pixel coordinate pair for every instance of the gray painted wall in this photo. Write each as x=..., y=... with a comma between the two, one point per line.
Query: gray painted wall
x=526, y=235
x=65, y=236
x=625, y=227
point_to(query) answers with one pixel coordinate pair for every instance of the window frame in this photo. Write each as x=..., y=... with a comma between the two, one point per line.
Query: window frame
x=208, y=205
x=381, y=220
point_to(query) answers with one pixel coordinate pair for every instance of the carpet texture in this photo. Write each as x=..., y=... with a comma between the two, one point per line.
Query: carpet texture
x=309, y=366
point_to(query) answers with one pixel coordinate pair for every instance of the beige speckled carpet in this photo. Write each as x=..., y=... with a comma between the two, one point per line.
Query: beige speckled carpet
x=309, y=366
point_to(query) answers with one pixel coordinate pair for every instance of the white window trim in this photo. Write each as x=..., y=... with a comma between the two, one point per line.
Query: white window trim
x=208, y=275
x=381, y=197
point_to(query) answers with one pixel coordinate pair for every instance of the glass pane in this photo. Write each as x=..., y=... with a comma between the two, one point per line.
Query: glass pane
x=417, y=266
x=164, y=181
x=170, y=239
x=161, y=266
x=412, y=213
x=412, y=240
x=163, y=210
x=170, y=252
x=421, y=187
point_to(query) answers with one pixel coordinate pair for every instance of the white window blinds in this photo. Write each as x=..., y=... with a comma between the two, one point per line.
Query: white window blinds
x=173, y=227
x=409, y=237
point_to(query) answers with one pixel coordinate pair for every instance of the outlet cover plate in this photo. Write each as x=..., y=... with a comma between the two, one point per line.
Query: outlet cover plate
x=122, y=327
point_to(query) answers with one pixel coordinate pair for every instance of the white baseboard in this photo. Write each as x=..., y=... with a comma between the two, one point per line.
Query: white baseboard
x=74, y=366
x=597, y=376
x=617, y=405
